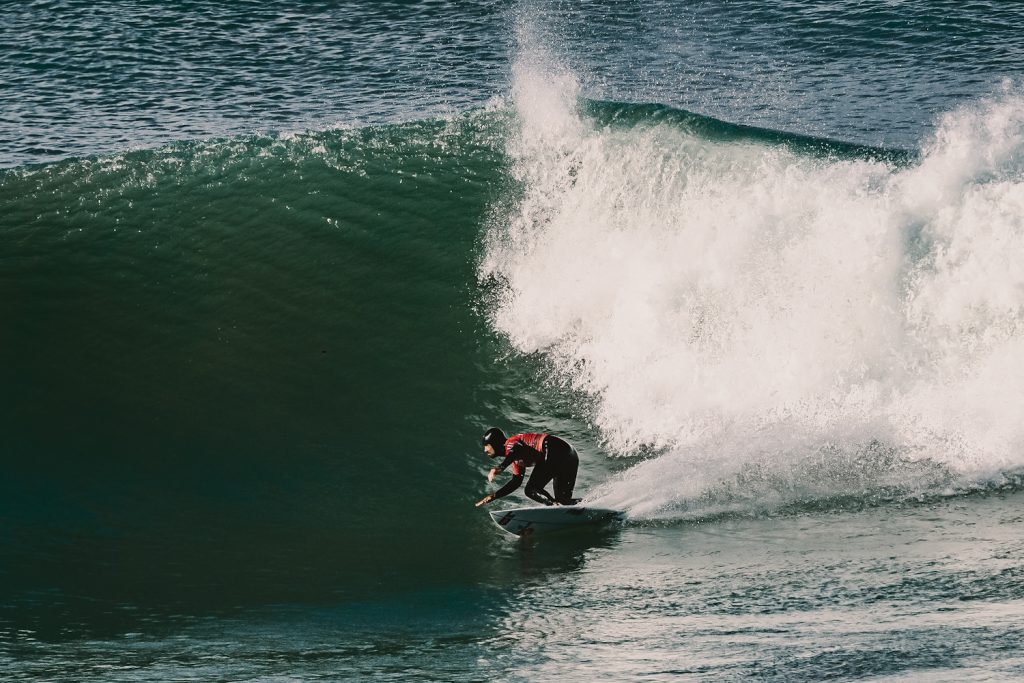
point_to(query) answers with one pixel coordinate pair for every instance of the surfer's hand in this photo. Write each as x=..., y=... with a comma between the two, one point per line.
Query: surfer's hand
x=484, y=500
x=492, y=474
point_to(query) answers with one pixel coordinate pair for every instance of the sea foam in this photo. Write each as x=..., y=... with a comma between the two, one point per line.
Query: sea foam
x=776, y=326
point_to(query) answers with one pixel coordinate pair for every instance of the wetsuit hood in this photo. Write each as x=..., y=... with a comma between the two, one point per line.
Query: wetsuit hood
x=496, y=438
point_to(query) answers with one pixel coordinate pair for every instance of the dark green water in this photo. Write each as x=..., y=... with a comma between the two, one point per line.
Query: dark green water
x=268, y=271
x=259, y=364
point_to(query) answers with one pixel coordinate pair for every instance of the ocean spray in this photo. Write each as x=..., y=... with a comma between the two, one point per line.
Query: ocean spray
x=776, y=325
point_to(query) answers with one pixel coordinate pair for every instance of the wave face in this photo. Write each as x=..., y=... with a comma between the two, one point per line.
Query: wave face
x=230, y=368
x=776, y=323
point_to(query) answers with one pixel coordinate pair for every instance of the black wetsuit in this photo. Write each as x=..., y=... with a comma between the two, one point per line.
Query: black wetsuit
x=557, y=460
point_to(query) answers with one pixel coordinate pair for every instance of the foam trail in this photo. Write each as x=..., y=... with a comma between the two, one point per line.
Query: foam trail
x=800, y=325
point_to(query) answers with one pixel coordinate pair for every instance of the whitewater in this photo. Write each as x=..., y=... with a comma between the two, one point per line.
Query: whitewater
x=809, y=324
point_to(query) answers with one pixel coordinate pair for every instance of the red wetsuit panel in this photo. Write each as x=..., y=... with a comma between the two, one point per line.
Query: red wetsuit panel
x=528, y=452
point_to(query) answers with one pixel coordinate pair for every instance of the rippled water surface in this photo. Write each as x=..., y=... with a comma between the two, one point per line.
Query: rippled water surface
x=87, y=77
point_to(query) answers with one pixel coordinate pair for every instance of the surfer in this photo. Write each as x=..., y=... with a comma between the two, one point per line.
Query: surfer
x=550, y=457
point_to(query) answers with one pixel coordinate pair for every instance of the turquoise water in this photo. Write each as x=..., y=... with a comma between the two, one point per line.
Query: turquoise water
x=268, y=272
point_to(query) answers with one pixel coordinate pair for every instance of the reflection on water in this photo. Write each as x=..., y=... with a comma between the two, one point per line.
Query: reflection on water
x=534, y=559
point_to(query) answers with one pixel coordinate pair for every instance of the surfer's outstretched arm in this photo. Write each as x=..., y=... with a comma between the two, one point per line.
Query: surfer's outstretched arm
x=515, y=482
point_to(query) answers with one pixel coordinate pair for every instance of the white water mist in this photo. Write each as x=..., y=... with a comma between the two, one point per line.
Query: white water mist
x=746, y=308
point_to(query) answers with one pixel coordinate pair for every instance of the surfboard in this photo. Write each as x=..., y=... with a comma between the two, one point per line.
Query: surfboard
x=538, y=520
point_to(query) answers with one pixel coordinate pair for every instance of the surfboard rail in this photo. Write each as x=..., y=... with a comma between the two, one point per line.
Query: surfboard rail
x=530, y=521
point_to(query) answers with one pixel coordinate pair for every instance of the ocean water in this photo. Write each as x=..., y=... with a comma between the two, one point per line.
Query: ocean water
x=268, y=270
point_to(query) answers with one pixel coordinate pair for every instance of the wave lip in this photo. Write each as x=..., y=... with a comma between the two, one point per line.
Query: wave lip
x=633, y=115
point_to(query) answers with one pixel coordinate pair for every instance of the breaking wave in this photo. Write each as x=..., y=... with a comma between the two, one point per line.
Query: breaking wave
x=774, y=317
